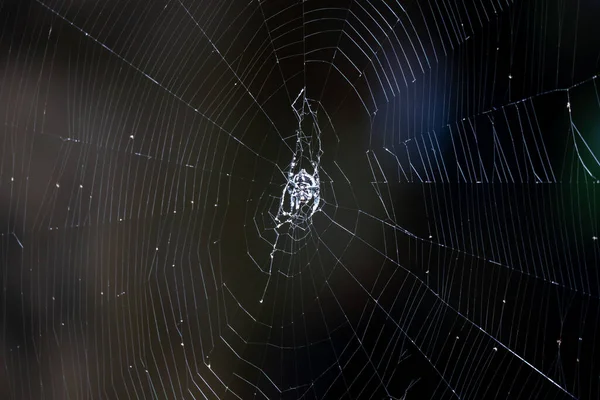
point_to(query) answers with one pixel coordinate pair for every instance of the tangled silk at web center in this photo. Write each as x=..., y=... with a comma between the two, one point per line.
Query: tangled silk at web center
x=301, y=194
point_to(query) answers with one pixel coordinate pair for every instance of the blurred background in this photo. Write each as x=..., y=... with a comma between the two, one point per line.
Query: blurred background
x=143, y=154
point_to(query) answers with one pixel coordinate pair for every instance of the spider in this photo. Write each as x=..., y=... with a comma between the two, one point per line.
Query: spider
x=303, y=188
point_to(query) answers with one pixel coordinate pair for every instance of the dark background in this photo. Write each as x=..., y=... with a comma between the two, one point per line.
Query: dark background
x=142, y=154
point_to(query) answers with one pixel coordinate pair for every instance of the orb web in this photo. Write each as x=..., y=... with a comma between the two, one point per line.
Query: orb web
x=207, y=199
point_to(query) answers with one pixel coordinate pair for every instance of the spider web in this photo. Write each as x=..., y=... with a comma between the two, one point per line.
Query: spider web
x=300, y=199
